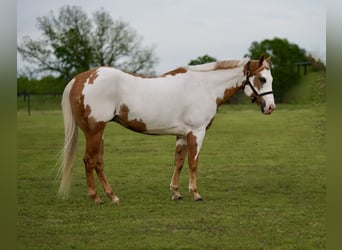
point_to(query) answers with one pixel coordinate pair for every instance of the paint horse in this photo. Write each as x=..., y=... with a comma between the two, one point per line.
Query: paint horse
x=182, y=102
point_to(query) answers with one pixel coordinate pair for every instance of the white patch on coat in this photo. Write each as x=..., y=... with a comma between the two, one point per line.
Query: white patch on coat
x=172, y=104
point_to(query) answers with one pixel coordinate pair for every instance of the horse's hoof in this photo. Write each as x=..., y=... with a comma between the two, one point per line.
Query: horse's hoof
x=197, y=197
x=98, y=202
x=177, y=197
x=116, y=200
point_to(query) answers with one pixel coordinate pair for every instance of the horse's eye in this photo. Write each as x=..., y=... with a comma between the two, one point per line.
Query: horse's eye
x=262, y=79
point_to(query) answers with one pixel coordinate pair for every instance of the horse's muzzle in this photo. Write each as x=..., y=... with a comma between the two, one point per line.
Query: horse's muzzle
x=266, y=109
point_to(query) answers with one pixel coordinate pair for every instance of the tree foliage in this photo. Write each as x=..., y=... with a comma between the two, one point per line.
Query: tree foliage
x=316, y=64
x=284, y=56
x=45, y=85
x=202, y=60
x=72, y=42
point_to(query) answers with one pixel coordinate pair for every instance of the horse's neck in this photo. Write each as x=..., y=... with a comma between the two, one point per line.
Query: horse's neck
x=219, y=81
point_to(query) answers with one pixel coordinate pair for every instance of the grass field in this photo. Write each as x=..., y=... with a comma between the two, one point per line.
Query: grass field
x=263, y=180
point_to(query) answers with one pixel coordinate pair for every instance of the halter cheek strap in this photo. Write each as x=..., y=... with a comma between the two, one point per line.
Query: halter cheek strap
x=247, y=82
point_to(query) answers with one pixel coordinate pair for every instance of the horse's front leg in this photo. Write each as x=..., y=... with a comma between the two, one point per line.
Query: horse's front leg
x=194, y=140
x=180, y=154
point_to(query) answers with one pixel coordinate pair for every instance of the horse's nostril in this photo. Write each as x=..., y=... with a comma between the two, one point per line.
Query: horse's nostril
x=271, y=107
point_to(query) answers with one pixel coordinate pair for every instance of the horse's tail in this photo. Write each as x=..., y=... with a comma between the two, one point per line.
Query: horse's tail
x=70, y=144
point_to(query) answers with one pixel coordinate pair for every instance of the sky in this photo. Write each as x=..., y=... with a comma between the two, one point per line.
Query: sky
x=182, y=30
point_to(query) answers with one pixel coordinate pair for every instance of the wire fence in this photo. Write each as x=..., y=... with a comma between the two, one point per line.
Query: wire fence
x=46, y=101
x=52, y=101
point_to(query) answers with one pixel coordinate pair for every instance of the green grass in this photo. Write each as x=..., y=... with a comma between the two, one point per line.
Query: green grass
x=263, y=180
x=39, y=102
x=311, y=89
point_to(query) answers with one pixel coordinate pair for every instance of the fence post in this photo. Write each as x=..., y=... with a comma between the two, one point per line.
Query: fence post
x=28, y=104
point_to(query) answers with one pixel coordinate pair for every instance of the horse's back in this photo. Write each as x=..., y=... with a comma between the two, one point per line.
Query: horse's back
x=164, y=104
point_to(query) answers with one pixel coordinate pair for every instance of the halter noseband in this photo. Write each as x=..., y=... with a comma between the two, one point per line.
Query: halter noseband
x=247, y=82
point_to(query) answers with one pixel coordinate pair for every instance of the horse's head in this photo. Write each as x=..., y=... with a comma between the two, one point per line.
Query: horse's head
x=258, y=84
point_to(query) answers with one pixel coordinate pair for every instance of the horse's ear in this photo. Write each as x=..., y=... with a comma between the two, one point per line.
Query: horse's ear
x=268, y=59
x=261, y=60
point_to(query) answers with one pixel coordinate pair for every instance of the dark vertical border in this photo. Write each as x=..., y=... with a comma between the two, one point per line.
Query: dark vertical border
x=334, y=97
x=8, y=66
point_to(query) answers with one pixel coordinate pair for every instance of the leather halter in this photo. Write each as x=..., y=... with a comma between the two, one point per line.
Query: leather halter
x=247, y=82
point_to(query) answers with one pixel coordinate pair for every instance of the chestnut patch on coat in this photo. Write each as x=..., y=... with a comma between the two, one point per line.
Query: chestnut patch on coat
x=229, y=64
x=256, y=82
x=122, y=118
x=89, y=75
x=81, y=113
x=227, y=94
x=76, y=96
x=255, y=68
x=180, y=155
x=174, y=72
x=192, y=144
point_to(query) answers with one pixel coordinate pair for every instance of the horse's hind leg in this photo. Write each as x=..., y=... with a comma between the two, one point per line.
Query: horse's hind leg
x=180, y=154
x=103, y=179
x=93, y=159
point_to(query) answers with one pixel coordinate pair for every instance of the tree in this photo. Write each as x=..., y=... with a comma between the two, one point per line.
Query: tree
x=284, y=56
x=45, y=85
x=72, y=42
x=316, y=64
x=202, y=60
